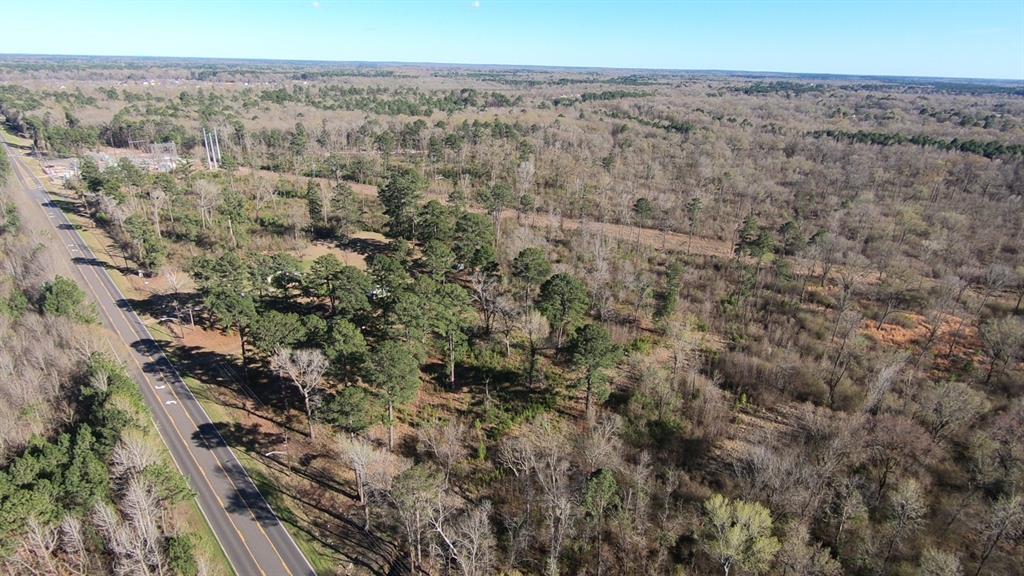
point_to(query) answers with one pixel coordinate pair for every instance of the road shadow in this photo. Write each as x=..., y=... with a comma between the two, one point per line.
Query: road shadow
x=245, y=498
x=270, y=504
x=272, y=450
x=96, y=262
x=224, y=371
x=67, y=206
x=338, y=533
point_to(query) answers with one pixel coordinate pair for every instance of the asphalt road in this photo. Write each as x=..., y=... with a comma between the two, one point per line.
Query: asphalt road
x=247, y=528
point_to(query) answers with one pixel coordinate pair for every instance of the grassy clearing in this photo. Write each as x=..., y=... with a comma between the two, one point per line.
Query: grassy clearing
x=16, y=140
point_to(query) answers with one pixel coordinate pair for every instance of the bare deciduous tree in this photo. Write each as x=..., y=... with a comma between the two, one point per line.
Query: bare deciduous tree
x=469, y=539
x=373, y=467
x=907, y=511
x=208, y=197
x=947, y=407
x=305, y=368
x=447, y=443
x=1004, y=522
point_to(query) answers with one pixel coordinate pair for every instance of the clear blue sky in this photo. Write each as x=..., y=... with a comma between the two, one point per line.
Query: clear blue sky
x=980, y=38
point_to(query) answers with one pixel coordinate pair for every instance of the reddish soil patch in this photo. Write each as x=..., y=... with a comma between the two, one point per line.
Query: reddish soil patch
x=318, y=249
x=212, y=340
x=961, y=338
x=895, y=335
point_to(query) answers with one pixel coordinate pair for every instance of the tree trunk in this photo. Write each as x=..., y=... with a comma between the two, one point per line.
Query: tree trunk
x=361, y=491
x=589, y=402
x=309, y=415
x=245, y=358
x=451, y=361
x=553, y=551
x=991, y=370
x=988, y=552
x=156, y=221
x=892, y=544
x=888, y=310
x=391, y=426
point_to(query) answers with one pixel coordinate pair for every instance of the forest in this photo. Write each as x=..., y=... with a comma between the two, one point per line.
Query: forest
x=525, y=321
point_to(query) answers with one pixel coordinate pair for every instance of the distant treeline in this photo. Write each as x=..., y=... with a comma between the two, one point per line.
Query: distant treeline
x=321, y=74
x=663, y=123
x=989, y=149
x=598, y=96
x=389, y=102
x=781, y=86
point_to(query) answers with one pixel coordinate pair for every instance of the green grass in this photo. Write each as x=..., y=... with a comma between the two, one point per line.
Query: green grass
x=323, y=563
x=16, y=140
x=205, y=541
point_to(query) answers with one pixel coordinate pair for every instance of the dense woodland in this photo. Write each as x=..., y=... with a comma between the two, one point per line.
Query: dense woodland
x=567, y=322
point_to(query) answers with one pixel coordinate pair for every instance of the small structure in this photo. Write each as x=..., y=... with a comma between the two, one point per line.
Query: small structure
x=164, y=156
x=155, y=157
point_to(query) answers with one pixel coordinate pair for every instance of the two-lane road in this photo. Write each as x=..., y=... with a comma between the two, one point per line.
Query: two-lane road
x=248, y=530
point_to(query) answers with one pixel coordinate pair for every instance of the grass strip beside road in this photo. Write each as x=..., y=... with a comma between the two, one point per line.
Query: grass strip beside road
x=105, y=250
x=188, y=514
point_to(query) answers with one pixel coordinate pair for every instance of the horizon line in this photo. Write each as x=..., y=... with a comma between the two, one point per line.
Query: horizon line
x=532, y=67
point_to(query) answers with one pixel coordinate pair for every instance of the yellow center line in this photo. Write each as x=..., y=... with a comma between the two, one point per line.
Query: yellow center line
x=220, y=464
x=145, y=377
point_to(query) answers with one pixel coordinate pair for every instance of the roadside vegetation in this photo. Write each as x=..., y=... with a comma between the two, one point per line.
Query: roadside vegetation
x=85, y=485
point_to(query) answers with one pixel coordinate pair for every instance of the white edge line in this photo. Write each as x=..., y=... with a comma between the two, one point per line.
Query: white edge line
x=189, y=390
x=149, y=412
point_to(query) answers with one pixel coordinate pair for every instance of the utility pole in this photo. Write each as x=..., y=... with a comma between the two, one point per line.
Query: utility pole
x=216, y=145
x=206, y=148
x=212, y=160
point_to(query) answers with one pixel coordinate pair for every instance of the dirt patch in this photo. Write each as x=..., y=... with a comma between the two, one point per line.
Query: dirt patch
x=898, y=335
x=646, y=236
x=148, y=284
x=360, y=189
x=360, y=245
x=212, y=340
x=955, y=338
x=318, y=249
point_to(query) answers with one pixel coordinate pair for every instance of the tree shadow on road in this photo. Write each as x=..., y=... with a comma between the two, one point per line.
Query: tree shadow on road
x=319, y=516
x=270, y=448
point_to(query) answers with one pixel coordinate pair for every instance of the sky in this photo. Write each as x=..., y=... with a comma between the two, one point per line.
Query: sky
x=968, y=39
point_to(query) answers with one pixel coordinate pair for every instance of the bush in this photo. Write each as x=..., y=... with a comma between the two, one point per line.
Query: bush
x=181, y=556
x=62, y=297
